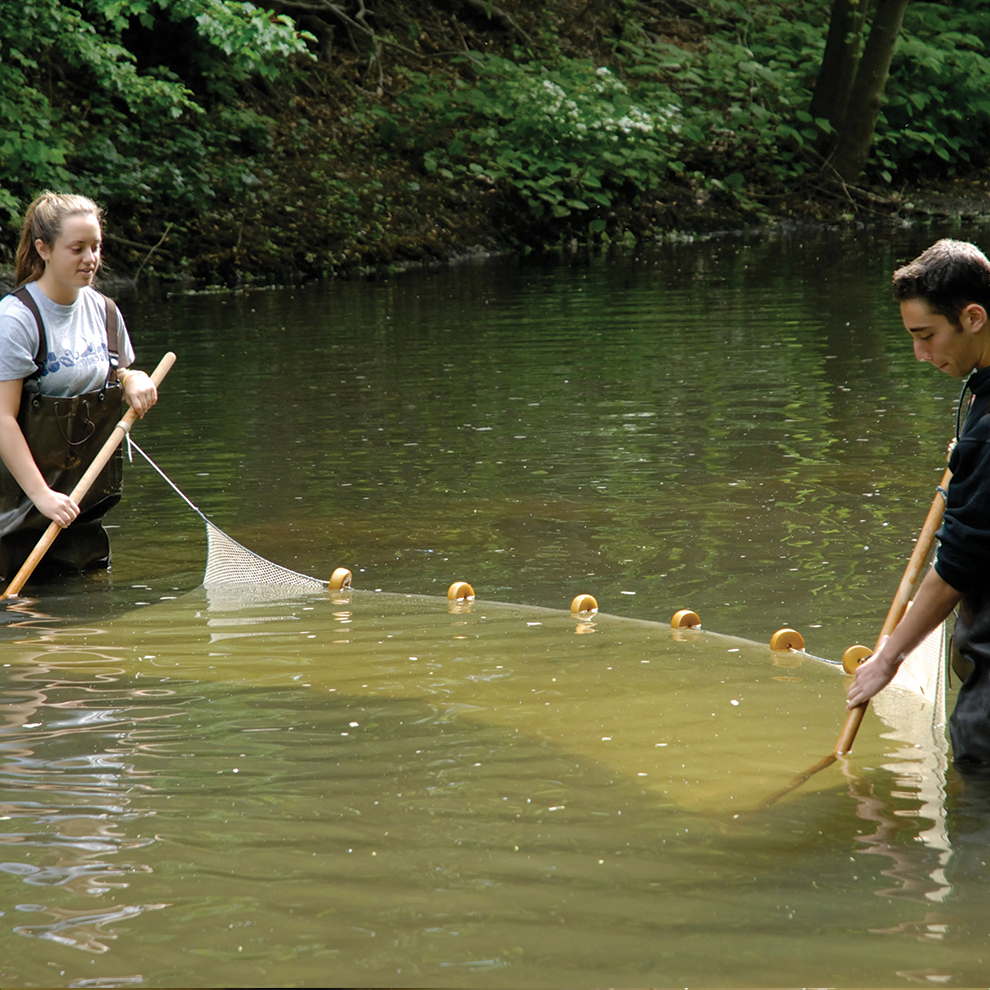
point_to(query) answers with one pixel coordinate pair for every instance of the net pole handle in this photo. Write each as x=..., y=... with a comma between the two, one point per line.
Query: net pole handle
x=922, y=551
x=85, y=483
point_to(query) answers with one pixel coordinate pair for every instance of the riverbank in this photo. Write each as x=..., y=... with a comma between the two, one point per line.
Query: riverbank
x=422, y=135
x=476, y=229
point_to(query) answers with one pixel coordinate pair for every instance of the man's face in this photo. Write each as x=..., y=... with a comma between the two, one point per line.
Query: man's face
x=952, y=350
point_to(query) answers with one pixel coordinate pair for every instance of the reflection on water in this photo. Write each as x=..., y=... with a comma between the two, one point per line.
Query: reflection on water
x=737, y=427
x=384, y=789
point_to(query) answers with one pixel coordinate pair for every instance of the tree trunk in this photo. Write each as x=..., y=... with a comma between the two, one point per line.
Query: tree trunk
x=855, y=137
x=838, y=70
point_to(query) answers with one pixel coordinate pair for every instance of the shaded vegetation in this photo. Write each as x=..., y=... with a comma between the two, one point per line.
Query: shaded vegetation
x=232, y=143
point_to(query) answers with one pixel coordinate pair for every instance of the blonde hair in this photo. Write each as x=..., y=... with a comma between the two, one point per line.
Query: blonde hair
x=43, y=221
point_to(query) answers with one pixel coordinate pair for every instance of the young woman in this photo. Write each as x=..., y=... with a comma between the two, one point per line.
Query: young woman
x=64, y=357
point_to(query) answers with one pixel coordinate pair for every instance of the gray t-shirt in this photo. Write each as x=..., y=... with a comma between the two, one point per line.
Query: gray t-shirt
x=78, y=360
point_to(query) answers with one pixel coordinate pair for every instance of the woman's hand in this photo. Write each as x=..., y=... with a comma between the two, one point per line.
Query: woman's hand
x=56, y=506
x=17, y=456
x=139, y=391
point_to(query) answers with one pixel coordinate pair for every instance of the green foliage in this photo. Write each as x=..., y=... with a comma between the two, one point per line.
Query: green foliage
x=745, y=105
x=936, y=118
x=564, y=138
x=759, y=67
x=188, y=113
x=570, y=136
x=253, y=41
x=80, y=109
x=573, y=136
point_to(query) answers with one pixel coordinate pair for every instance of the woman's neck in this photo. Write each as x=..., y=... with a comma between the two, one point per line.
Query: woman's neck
x=58, y=292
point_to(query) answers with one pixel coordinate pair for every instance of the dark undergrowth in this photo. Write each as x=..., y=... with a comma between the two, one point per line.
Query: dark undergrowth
x=416, y=135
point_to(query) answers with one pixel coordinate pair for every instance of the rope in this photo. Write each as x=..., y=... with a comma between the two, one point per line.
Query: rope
x=132, y=443
x=230, y=565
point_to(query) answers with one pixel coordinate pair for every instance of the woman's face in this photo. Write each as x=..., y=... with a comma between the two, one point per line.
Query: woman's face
x=72, y=261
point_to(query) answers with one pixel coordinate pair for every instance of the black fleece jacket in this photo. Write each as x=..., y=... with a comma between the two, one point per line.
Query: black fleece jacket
x=963, y=559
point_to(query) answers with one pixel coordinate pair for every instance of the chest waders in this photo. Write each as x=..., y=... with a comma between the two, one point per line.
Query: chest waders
x=64, y=435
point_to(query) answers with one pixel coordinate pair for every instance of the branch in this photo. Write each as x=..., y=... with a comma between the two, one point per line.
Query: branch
x=492, y=12
x=135, y=244
x=831, y=176
x=161, y=240
x=326, y=7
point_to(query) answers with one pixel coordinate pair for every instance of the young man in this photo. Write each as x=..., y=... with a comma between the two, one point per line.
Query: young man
x=945, y=301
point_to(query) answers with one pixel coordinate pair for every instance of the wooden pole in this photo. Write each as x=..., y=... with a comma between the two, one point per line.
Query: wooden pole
x=905, y=592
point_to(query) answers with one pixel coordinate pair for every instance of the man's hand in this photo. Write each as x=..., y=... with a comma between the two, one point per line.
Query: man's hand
x=872, y=676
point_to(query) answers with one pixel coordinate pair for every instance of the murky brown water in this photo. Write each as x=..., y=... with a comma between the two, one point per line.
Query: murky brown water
x=380, y=790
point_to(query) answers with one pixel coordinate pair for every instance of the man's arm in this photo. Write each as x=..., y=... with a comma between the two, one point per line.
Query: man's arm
x=933, y=603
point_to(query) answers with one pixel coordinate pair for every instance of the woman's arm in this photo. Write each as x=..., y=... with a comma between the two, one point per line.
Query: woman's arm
x=139, y=390
x=17, y=456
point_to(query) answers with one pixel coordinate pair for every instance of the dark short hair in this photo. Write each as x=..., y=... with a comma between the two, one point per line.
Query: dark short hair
x=948, y=276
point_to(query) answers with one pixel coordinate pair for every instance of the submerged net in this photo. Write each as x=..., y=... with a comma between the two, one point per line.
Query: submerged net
x=235, y=570
x=916, y=695
x=232, y=566
x=924, y=671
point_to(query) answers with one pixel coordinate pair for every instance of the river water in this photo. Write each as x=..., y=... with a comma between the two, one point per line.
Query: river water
x=380, y=788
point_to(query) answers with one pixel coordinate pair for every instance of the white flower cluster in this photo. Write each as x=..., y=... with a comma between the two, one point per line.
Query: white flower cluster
x=589, y=111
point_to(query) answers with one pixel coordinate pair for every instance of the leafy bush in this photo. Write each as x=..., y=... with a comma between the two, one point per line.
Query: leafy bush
x=747, y=116
x=78, y=111
x=564, y=138
x=571, y=136
x=936, y=117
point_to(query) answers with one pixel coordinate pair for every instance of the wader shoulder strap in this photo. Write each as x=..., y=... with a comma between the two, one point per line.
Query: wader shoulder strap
x=113, y=342
x=41, y=356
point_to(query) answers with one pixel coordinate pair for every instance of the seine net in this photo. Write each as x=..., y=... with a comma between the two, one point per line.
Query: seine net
x=916, y=695
x=924, y=671
x=228, y=563
x=232, y=566
x=237, y=570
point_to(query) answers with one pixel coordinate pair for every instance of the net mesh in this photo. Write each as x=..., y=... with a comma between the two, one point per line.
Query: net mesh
x=914, y=701
x=923, y=672
x=229, y=565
